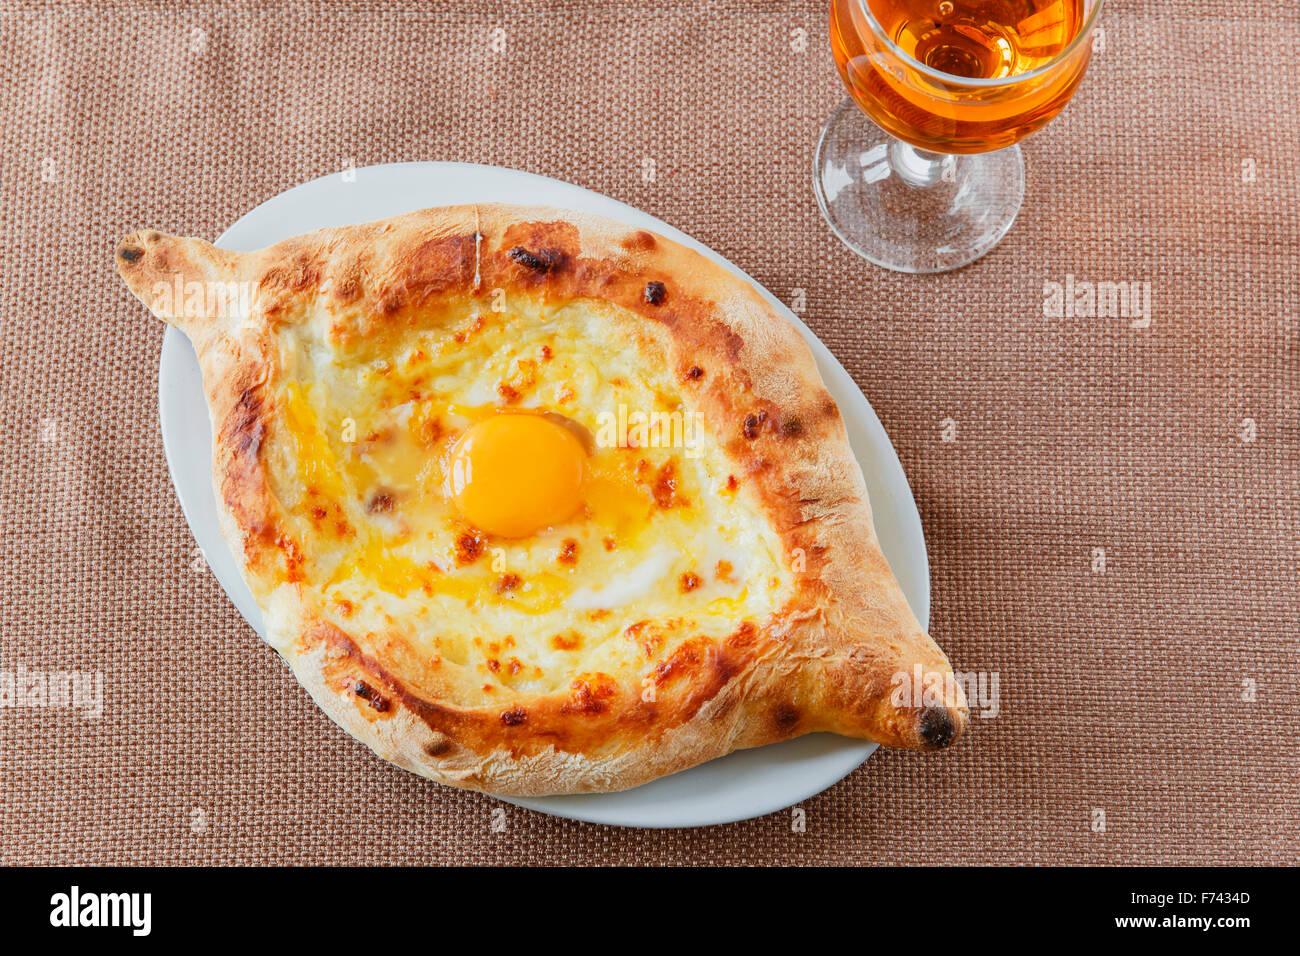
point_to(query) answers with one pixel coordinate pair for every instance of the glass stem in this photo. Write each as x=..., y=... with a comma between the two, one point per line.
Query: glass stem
x=919, y=167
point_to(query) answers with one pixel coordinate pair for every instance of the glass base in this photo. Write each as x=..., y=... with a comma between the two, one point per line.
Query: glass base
x=908, y=209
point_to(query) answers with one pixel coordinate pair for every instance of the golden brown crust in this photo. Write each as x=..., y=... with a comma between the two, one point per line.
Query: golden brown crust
x=829, y=661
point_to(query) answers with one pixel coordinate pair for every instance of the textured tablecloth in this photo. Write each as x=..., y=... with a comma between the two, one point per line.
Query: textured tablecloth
x=1112, y=527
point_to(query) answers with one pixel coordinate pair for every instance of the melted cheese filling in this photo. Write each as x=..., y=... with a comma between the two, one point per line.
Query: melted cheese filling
x=663, y=548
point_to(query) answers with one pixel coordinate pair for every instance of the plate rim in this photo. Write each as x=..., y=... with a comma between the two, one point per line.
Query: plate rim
x=586, y=807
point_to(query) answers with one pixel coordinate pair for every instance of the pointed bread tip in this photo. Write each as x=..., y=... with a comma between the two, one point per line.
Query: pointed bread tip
x=939, y=726
x=132, y=250
x=160, y=270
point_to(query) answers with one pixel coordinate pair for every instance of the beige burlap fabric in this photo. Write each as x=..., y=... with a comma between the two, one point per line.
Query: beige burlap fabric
x=1113, y=529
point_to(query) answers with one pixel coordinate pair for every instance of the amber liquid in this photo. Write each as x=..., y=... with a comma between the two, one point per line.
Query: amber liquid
x=964, y=39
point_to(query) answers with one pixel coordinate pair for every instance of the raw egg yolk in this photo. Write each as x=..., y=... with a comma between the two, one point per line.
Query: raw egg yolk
x=513, y=474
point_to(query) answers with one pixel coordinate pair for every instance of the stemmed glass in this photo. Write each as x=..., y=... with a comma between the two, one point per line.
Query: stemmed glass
x=919, y=170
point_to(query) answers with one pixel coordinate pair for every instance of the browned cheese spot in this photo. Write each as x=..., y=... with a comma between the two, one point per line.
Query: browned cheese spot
x=469, y=547
x=568, y=641
x=430, y=431
x=590, y=694
x=665, y=490
x=744, y=635
x=293, y=558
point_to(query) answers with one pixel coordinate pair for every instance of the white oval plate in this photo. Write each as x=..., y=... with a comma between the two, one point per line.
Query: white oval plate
x=736, y=787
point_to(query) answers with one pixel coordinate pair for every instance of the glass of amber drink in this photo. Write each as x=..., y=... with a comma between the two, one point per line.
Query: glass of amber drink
x=919, y=170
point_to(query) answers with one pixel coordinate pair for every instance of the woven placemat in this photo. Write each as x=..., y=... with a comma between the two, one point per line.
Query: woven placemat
x=1111, y=511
